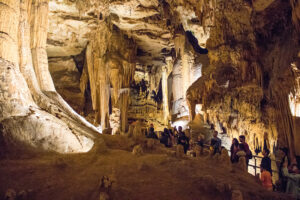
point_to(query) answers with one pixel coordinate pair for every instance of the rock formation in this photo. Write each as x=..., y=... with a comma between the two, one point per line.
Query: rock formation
x=32, y=112
x=116, y=62
x=90, y=76
x=247, y=84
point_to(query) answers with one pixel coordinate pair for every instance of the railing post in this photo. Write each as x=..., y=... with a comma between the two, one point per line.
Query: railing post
x=255, y=166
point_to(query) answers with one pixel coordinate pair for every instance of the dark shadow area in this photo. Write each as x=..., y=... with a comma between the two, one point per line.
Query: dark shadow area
x=194, y=42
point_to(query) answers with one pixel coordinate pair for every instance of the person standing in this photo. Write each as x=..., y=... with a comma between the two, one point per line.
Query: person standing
x=246, y=148
x=165, y=137
x=293, y=181
x=182, y=139
x=151, y=133
x=266, y=161
x=215, y=143
x=266, y=179
x=233, y=150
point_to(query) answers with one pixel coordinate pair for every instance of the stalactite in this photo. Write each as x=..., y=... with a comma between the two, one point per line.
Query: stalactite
x=110, y=64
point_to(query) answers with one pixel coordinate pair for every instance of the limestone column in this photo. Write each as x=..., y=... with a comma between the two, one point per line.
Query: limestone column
x=39, y=27
x=104, y=90
x=128, y=74
x=164, y=81
x=177, y=86
x=116, y=81
x=124, y=101
x=186, y=68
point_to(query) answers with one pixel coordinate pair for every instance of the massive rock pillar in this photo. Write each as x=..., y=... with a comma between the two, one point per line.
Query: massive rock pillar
x=22, y=120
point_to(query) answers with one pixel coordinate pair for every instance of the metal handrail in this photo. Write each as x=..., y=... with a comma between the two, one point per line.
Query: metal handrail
x=253, y=156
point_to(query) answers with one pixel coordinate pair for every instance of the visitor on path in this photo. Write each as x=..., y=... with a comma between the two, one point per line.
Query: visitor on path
x=151, y=133
x=293, y=181
x=266, y=179
x=165, y=137
x=182, y=139
x=294, y=167
x=266, y=161
x=246, y=147
x=215, y=143
x=200, y=141
x=241, y=151
x=233, y=150
x=171, y=140
x=282, y=183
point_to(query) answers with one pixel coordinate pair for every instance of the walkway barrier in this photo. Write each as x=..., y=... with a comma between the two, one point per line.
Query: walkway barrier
x=254, y=164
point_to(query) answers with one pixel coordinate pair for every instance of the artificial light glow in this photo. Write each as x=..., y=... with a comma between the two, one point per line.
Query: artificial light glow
x=182, y=123
x=294, y=105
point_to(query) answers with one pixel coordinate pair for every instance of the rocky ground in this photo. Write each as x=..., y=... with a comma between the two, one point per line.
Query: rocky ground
x=154, y=173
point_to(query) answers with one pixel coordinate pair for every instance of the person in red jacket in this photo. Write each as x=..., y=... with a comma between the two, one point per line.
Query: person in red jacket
x=246, y=147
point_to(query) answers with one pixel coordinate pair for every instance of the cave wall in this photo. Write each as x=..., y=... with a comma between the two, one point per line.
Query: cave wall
x=246, y=86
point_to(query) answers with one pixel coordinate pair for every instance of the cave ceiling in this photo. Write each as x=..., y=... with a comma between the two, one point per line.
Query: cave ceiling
x=150, y=23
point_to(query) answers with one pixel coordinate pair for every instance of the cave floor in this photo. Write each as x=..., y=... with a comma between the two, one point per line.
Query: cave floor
x=154, y=175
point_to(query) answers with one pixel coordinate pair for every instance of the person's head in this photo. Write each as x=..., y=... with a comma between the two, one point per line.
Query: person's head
x=242, y=138
x=180, y=128
x=235, y=142
x=151, y=125
x=241, y=147
x=266, y=152
x=215, y=134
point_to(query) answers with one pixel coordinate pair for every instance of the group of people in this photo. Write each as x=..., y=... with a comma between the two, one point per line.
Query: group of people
x=239, y=148
x=289, y=174
x=169, y=137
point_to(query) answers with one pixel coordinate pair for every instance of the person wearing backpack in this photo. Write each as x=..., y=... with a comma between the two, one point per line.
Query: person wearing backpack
x=247, y=149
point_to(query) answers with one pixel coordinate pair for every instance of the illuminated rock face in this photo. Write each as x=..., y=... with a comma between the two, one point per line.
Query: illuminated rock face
x=32, y=113
x=247, y=84
x=229, y=58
